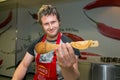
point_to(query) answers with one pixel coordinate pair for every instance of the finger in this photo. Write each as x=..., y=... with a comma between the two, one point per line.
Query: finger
x=60, y=57
x=58, y=51
x=65, y=53
x=71, y=52
x=67, y=58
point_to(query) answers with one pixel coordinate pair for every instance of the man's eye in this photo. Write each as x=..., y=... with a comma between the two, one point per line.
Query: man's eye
x=46, y=24
x=53, y=22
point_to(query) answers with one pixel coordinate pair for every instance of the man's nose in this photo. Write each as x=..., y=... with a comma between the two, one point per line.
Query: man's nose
x=50, y=25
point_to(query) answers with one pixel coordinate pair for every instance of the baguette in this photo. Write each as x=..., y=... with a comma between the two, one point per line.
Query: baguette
x=44, y=47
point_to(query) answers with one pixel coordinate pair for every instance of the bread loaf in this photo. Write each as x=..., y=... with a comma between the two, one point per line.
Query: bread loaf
x=44, y=47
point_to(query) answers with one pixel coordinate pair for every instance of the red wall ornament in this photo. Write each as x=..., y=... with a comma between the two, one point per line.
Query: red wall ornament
x=6, y=21
x=102, y=27
x=102, y=3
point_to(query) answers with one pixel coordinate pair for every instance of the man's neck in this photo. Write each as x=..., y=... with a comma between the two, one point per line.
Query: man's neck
x=54, y=38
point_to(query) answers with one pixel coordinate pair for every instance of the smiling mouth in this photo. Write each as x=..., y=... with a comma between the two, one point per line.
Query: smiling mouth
x=52, y=30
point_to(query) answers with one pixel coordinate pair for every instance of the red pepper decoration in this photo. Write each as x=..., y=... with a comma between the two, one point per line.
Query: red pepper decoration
x=73, y=36
x=84, y=55
x=89, y=54
x=106, y=30
x=34, y=15
x=1, y=61
x=7, y=20
x=102, y=3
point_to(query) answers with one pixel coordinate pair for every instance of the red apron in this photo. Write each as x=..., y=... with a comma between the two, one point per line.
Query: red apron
x=46, y=71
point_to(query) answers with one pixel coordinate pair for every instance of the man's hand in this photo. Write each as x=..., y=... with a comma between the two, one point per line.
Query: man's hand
x=65, y=56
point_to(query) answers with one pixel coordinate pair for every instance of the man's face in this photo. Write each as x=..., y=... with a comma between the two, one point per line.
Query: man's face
x=50, y=25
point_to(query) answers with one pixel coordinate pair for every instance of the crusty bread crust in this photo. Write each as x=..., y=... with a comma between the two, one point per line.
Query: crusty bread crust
x=44, y=47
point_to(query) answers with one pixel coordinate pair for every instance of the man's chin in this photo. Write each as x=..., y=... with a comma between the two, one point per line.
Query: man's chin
x=52, y=35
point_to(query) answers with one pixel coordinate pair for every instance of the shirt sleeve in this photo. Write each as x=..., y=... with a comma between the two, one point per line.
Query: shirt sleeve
x=32, y=46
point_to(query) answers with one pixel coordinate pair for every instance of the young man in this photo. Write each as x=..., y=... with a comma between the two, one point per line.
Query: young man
x=61, y=64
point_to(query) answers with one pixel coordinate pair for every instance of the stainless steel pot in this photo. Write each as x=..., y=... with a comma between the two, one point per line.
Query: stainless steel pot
x=104, y=72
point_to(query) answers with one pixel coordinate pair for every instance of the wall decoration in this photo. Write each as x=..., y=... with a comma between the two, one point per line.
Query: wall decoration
x=101, y=3
x=34, y=15
x=6, y=21
x=7, y=42
x=85, y=55
x=5, y=29
x=73, y=36
x=4, y=25
x=1, y=61
x=103, y=28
